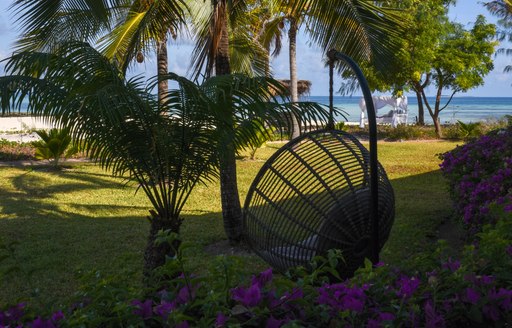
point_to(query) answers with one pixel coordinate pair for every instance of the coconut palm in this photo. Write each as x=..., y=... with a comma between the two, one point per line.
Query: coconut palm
x=121, y=123
x=360, y=28
x=503, y=10
x=123, y=29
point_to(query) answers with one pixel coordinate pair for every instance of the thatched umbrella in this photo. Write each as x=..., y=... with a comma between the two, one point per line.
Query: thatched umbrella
x=303, y=87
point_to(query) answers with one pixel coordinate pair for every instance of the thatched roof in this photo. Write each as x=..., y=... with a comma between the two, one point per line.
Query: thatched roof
x=303, y=86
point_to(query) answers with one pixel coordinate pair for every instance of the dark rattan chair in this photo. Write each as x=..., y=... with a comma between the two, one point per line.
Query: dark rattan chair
x=313, y=195
x=321, y=191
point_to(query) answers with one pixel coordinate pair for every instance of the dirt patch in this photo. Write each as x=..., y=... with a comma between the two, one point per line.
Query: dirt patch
x=224, y=248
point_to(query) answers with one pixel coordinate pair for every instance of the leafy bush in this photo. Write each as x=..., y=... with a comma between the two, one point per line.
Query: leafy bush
x=474, y=291
x=340, y=126
x=13, y=151
x=55, y=144
x=469, y=130
x=479, y=173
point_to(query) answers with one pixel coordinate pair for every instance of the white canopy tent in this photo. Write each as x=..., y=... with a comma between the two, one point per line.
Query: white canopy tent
x=397, y=115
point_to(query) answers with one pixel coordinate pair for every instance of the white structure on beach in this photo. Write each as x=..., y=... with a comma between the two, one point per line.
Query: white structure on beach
x=397, y=115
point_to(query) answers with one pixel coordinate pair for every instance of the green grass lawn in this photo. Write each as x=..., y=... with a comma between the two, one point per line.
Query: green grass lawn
x=79, y=220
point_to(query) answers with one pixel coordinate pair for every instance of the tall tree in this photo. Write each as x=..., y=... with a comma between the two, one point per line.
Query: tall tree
x=123, y=128
x=359, y=28
x=409, y=67
x=123, y=29
x=462, y=60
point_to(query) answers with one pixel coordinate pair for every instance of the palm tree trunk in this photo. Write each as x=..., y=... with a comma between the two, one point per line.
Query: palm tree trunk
x=162, y=67
x=292, y=36
x=155, y=255
x=231, y=208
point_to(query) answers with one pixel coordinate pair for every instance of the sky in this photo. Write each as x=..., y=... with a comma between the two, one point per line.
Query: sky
x=309, y=59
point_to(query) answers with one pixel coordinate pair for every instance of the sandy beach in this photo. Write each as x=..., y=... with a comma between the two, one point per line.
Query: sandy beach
x=21, y=128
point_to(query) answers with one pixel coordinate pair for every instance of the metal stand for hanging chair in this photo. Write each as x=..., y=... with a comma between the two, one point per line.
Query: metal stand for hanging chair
x=321, y=191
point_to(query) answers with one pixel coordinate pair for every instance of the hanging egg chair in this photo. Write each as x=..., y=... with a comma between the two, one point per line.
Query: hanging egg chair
x=323, y=190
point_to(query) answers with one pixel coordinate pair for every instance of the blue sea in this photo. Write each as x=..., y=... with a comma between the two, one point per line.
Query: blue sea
x=465, y=109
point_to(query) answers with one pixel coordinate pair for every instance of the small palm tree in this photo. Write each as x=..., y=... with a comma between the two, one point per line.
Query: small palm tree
x=54, y=145
x=123, y=128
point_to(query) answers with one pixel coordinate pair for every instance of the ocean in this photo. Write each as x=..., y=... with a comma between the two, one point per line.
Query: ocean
x=465, y=109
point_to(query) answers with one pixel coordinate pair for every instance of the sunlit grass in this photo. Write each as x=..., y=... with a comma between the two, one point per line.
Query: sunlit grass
x=81, y=219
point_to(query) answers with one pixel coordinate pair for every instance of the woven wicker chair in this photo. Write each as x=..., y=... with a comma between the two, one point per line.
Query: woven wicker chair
x=313, y=195
x=322, y=191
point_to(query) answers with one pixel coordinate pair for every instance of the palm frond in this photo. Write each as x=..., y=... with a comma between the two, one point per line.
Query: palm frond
x=359, y=28
x=120, y=121
x=45, y=23
x=143, y=24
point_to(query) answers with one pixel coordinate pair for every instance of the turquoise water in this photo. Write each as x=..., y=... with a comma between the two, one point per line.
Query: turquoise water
x=465, y=109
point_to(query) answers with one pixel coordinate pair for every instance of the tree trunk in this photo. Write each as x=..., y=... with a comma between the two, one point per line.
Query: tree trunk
x=231, y=208
x=437, y=126
x=155, y=255
x=222, y=65
x=162, y=67
x=421, y=110
x=292, y=36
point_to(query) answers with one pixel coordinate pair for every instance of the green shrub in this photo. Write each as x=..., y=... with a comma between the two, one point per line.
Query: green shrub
x=55, y=144
x=339, y=126
x=469, y=130
x=13, y=151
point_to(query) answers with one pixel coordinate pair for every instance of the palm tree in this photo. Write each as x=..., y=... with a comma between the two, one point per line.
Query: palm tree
x=123, y=29
x=359, y=28
x=122, y=125
x=503, y=10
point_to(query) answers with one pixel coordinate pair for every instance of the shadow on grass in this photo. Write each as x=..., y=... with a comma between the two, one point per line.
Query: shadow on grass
x=54, y=246
x=422, y=204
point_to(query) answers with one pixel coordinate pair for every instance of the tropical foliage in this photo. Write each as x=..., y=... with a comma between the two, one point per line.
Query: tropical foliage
x=480, y=176
x=473, y=291
x=166, y=147
x=54, y=145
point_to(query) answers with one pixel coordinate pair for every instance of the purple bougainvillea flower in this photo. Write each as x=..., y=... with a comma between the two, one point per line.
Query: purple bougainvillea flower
x=263, y=278
x=386, y=316
x=407, y=286
x=432, y=318
x=221, y=320
x=487, y=280
x=508, y=208
x=57, y=316
x=274, y=323
x=248, y=297
x=341, y=297
x=186, y=294
x=452, y=265
x=163, y=309
x=378, y=322
x=143, y=309
x=40, y=323
x=472, y=295
x=15, y=313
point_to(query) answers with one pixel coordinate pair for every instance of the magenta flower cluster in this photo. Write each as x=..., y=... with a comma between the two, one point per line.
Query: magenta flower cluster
x=479, y=175
x=15, y=317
